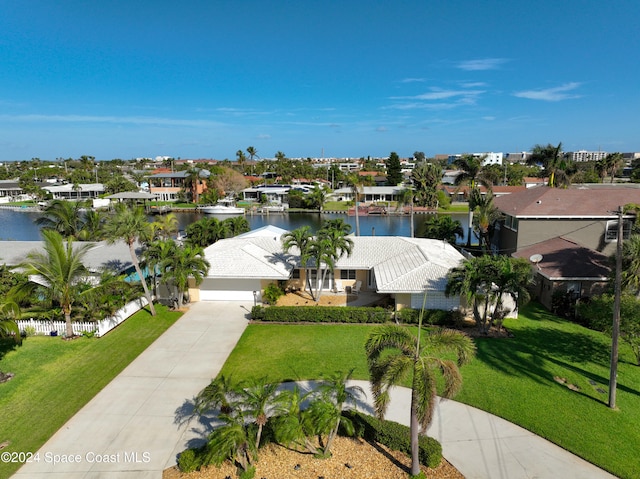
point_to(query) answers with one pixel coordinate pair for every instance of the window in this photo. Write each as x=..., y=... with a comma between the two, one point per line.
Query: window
x=511, y=222
x=611, y=232
x=295, y=274
x=347, y=274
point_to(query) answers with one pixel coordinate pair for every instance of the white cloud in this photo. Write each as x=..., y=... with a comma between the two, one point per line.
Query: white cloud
x=413, y=80
x=482, y=64
x=263, y=136
x=558, y=93
x=432, y=99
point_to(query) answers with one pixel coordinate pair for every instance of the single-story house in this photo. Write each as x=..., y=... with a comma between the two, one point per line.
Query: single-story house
x=400, y=267
x=70, y=191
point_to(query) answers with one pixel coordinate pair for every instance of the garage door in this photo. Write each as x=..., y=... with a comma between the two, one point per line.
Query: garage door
x=229, y=289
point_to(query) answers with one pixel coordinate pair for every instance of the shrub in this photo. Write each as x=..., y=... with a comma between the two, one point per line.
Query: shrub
x=395, y=436
x=436, y=317
x=323, y=314
x=190, y=460
x=271, y=293
x=258, y=312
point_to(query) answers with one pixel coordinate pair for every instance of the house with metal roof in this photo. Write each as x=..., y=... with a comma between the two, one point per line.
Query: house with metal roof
x=71, y=191
x=402, y=268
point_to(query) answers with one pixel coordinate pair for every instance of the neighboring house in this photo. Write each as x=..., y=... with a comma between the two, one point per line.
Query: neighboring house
x=70, y=191
x=461, y=193
x=10, y=190
x=585, y=214
x=568, y=233
x=278, y=194
x=102, y=256
x=369, y=194
x=168, y=185
x=563, y=266
x=403, y=268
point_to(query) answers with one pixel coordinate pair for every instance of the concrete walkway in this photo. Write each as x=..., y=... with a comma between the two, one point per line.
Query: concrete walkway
x=129, y=430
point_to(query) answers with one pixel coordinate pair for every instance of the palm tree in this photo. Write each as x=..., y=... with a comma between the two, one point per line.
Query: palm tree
x=442, y=227
x=326, y=412
x=293, y=426
x=551, y=159
x=515, y=276
x=92, y=226
x=300, y=238
x=237, y=225
x=473, y=279
x=425, y=178
x=219, y=394
x=485, y=219
x=253, y=153
x=9, y=313
x=330, y=244
x=233, y=440
x=317, y=197
x=613, y=162
x=131, y=225
x=405, y=197
x=182, y=263
x=166, y=226
x=257, y=400
x=62, y=216
x=394, y=354
x=61, y=270
x=471, y=167
x=353, y=180
x=631, y=265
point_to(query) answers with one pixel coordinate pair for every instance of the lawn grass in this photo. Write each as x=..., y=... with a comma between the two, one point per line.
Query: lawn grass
x=55, y=378
x=512, y=378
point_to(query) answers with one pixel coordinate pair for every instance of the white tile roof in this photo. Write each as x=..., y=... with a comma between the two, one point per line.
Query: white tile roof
x=253, y=257
x=400, y=265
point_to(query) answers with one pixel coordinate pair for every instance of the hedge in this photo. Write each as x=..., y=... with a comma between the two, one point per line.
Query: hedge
x=320, y=314
x=395, y=436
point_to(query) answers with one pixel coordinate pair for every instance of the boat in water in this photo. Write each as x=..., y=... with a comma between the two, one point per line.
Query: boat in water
x=221, y=209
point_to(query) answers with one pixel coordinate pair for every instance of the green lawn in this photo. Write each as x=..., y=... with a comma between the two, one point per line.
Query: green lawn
x=55, y=378
x=512, y=378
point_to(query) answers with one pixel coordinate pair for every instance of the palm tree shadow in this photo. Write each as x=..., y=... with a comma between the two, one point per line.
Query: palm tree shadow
x=533, y=348
x=6, y=346
x=201, y=425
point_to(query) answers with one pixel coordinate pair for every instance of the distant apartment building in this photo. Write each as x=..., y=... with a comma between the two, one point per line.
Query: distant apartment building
x=489, y=158
x=583, y=155
x=520, y=157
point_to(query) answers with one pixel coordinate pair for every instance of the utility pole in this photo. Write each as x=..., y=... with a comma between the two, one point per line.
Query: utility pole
x=613, y=378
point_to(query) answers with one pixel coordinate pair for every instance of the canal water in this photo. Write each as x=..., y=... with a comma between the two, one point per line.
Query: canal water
x=19, y=225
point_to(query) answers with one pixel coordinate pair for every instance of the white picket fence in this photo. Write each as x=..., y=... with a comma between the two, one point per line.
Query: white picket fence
x=100, y=327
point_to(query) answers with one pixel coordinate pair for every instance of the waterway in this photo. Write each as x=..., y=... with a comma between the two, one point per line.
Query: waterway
x=20, y=225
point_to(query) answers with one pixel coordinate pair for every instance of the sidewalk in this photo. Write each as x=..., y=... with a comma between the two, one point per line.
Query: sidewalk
x=129, y=430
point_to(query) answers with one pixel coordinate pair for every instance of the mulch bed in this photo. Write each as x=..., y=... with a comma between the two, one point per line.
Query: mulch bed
x=350, y=459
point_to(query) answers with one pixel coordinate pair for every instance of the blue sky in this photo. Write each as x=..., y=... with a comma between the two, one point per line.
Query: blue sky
x=202, y=79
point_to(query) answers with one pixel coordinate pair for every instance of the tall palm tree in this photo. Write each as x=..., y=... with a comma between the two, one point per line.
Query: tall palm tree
x=184, y=262
x=330, y=244
x=471, y=167
x=515, y=276
x=131, y=225
x=92, y=226
x=355, y=183
x=613, y=161
x=394, y=354
x=486, y=217
x=61, y=270
x=301, y=239
x=253, y=153
x=405, y=197
x=425, y=178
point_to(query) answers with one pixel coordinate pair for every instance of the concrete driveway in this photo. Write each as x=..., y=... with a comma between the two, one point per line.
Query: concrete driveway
x=129, y=430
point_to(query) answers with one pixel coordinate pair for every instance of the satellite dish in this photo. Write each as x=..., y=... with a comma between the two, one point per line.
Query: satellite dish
x=535, y=259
